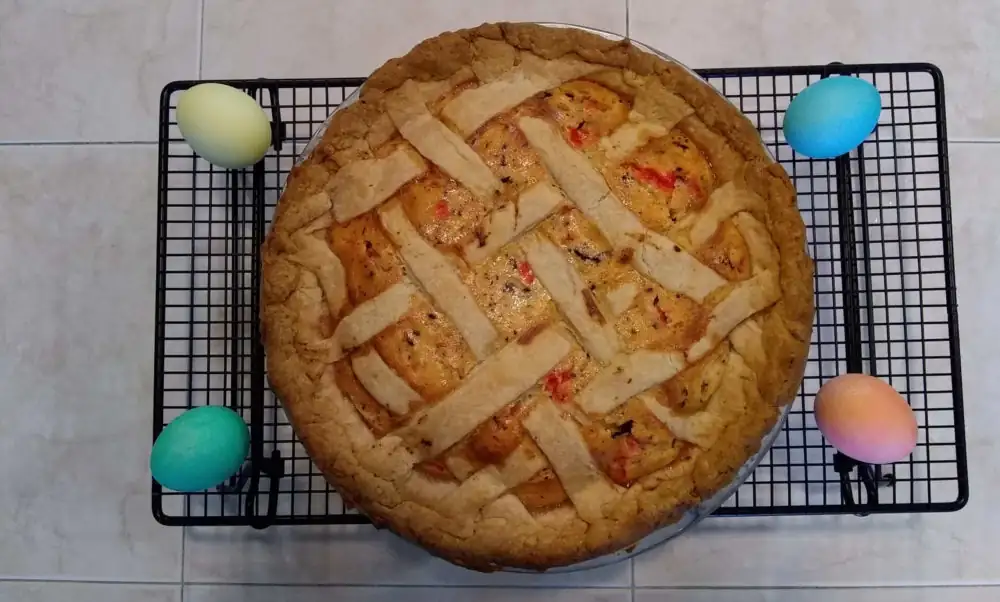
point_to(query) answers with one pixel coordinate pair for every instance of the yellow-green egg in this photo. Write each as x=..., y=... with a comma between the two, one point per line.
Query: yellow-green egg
x=223, y=125
x=199, y=449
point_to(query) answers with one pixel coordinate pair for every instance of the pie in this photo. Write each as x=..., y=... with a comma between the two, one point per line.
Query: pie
x=534, y=295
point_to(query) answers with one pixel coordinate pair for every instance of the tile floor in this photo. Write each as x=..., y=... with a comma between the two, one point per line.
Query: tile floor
x=79, y=84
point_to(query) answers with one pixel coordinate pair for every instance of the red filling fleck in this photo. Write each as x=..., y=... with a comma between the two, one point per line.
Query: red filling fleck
x=630, y=446
x=527, y=275
x=577, y=136
x=663, y=314
x=559, y=383
x=618, y=471
x=663, y=180
x=442, y=210
x=694, y=189
x=436, y=468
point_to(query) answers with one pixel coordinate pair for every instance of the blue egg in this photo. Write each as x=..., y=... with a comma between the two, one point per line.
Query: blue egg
x=832, y=116
x=200, y=449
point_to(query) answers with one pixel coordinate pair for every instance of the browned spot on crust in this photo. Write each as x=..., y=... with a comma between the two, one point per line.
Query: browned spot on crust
x=375, y=415
x=726, y=252
x=529, y=335
x=370, y=261
x=496, y=438
x=426, y=350
x=592, y=309
x=542, y=492
x=661, y=319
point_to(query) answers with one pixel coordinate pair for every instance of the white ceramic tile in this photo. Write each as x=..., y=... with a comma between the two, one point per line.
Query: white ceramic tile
x=91, y=70
x=351, y=555
x=878, y=550
x=87, y=592
x=349, y=38
x=252, y=593
x=935, y=594
x=959, y=36
x=77, y=258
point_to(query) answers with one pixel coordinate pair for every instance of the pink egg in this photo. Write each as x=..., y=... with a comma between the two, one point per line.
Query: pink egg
x=866, y=419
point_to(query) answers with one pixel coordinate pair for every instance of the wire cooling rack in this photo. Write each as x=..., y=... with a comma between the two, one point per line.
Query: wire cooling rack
x=878, y=224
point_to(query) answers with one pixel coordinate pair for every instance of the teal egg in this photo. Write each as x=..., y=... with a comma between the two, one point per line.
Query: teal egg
x=199, y=449
x=832, y=116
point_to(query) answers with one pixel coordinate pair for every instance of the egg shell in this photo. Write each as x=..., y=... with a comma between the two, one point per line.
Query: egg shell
x=832, y=116
x=866, y=419
x=199, y=449
x=223, y=125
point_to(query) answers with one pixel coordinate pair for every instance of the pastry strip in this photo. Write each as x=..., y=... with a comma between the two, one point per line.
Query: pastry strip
x=584, y=186
x=317, y=256
x=299, y=215
x=574, y=173
x=561, y=442
x=655, y=256
x=363, y=185
x=628, y=138
x=439, y=144
x=725, y=202
x=496, y=382
x=704, y=427
x=675, y=269
x=746, y=299
x=657, y=104
x=748, y=340
x=472, y=108
x=508, y=222
x=382, y=382
x=570, y=294
x=763, y=253
x=621, y=298
x=372, y=317
x=441, y=281
x=627, y=376
x=352, y=426
x=492, y=482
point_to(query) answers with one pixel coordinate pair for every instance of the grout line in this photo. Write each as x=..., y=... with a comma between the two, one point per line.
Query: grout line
x=474, y=586
x=814, y=588
x=184, y=531
x=631, y=571
x=78, y=143
x=15, y=143
x=201, y=38
x=477, y=586
x=71, y=580
x=990, y=140
x=567, y=586
x=628, y=19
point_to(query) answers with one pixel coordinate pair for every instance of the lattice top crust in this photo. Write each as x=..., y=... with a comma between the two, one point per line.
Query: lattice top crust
x=535, y=294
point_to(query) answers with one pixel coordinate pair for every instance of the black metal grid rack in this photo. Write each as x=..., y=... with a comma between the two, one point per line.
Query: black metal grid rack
x=879, y=228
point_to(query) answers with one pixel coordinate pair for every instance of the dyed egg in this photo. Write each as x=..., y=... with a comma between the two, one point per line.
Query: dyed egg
x=832, y=116
x=201, y=448
x=223, y=125
x=866, y=419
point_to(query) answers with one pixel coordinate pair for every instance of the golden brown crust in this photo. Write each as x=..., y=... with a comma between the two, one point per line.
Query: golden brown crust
x=303, y=377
